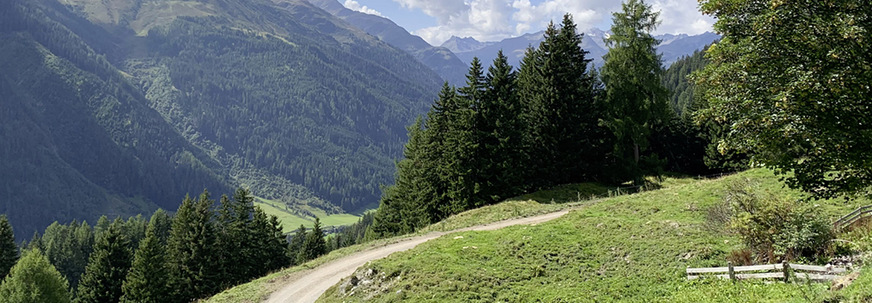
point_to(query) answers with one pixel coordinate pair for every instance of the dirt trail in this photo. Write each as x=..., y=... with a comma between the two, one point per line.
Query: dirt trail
x=307, y=286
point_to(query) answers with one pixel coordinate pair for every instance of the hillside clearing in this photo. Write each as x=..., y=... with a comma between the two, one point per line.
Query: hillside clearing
x=629, y=248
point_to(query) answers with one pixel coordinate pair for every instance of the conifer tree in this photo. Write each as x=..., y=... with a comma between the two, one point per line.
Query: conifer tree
x=162, y=225
x=191, y=251
x=34, y=280
x=8, y=248
x=107, y=266
x=555, y=87
x=296, y=244
x=635, y=97
x=501, y=130
x=146, y=281
x=314, y=246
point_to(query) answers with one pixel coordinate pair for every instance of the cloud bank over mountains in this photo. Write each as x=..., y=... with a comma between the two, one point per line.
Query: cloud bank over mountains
x=494, y=20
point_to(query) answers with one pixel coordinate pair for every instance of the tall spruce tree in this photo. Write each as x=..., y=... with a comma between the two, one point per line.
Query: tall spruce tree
x=314, y=246
x=162, y=224
x=34, y=280
x=635, y=96
x=8, y=248
x=191, y=251
x=107, y=266
x=296, y=244
x=459, y=165
x=146, y=281
x=501, y=130
x=556, y=89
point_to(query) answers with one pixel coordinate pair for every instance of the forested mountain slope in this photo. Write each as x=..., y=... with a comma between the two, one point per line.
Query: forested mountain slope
x=78, y=140
x=439, y=59
x=113, y=107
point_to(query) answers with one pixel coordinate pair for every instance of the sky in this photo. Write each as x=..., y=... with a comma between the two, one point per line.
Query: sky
x=494, y=20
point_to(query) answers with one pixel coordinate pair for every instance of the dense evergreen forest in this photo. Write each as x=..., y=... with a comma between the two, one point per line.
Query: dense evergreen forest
x=120, y=109
x=201, y=250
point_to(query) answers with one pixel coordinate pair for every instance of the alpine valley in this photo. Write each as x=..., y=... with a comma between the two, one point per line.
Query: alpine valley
x=120, y=107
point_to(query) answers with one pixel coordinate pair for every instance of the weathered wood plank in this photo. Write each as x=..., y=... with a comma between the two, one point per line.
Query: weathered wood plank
x=767, y=275
x=816, y=277
x=758, y=267
x=814, y=268
x=707, y=270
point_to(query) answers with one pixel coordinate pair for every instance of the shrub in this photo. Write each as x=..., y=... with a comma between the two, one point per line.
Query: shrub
x=775, y=228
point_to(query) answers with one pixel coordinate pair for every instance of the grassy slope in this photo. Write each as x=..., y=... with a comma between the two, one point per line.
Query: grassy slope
x=291, y=220
x=629, y=248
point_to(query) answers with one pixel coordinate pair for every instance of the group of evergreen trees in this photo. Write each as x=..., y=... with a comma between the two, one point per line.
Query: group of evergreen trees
x=555, y=120
x=199, y=251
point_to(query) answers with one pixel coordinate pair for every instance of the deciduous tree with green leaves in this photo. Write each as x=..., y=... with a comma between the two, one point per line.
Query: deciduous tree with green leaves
x=34, y=280
x=792, y=81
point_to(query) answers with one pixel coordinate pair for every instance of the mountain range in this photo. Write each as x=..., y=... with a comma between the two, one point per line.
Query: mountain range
x=672, y=47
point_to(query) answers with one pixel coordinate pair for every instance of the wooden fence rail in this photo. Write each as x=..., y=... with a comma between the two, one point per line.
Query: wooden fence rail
x=781, y=271
x=852, y=217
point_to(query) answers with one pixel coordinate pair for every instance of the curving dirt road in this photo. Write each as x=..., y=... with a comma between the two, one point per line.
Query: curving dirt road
x=307, y=286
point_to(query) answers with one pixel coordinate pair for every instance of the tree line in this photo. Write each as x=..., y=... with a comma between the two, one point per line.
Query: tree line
x=554, y=120
x=200, y=250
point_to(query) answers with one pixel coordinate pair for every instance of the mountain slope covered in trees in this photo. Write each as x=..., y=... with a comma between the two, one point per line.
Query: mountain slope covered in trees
x=439, y=59
x=120, y=107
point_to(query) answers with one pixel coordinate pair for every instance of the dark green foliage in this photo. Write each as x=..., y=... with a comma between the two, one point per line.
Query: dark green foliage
x=685, y=97
x=635, y=98
x=107, y=266
x=68, y=247
x=147, y=279
x=690, y=147
x=477, y=145
x=556, y=90
x=8, y=248
x=34, y=280
x=296, y=244
x=354, y=233
x=162, y=223
x=249, y=243
x=78, y=136
x=191, y=251
x=501, y=132
x=790, y=81
x=314, y=245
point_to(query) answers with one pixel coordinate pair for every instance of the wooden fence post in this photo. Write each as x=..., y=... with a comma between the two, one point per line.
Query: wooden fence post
x=731, y=271
x=786, y=268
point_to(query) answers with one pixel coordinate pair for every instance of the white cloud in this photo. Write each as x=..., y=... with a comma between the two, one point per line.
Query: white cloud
x=355, y=6
x=681, y=17
x=490, y=20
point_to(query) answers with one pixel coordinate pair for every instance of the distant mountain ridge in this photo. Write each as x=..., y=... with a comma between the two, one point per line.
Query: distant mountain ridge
x=672, y=47
x=439, y=59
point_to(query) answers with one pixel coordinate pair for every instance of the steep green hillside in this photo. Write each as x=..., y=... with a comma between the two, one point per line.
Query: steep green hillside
x=78, y=140
x=628, y=248
x=116, y=107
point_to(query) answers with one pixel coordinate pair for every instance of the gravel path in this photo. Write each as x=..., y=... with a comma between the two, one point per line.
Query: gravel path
x=307, y=286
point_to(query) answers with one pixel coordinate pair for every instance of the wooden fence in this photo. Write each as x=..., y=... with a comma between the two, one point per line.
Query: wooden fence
x=852, y=217
x=771, y=271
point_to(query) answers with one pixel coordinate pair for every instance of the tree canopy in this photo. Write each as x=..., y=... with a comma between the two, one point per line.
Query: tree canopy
x=791, y=79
